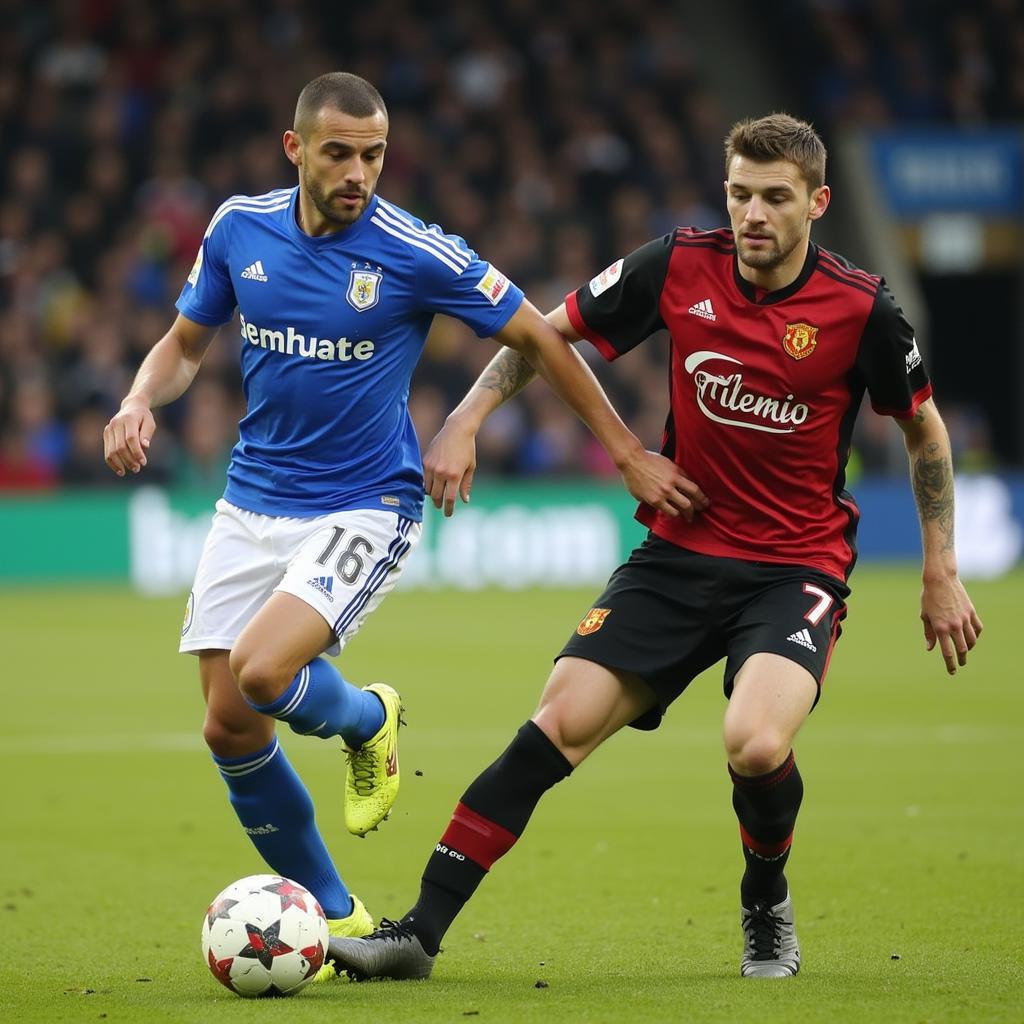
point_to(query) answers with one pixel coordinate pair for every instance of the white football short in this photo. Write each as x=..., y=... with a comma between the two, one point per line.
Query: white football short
x=342, y=564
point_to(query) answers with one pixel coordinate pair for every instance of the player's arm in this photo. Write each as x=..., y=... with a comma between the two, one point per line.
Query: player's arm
x=947, y=613
x=450, y=459
x=537, y=344
x=503, y=378
x=165, y=374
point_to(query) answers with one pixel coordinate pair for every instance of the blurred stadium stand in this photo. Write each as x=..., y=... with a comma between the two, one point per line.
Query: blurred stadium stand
x=554, y=138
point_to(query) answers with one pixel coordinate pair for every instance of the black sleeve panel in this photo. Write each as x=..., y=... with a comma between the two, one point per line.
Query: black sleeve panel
x=889, y=360
x=622, y=305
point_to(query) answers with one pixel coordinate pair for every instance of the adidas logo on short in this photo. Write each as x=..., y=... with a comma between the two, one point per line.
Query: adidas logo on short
x=803, y=638
x=325, y=584
x=703, y=309
x=255, y=272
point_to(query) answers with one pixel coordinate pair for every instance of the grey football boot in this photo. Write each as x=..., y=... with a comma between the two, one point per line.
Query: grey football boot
x=392, y=951
x=770, y=947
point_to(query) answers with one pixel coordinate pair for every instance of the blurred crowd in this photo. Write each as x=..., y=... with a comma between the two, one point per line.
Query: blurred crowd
x=553, y=138
x=925, y=61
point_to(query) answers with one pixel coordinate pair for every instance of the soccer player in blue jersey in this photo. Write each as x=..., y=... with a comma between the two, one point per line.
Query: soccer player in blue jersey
x=336, y=290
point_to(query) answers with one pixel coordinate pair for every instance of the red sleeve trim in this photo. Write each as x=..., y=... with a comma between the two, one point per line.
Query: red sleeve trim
x=602, y=344
x=905, y=414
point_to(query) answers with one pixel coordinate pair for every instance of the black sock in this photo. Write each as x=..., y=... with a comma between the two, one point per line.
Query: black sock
x=766, y=806
x=486, y=824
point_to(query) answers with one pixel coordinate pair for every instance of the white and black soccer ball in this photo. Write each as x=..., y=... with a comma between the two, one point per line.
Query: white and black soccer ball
x=264, y=935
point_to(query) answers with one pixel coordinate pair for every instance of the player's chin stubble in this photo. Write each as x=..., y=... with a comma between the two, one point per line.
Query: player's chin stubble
x=323, y=205
x=767, y=260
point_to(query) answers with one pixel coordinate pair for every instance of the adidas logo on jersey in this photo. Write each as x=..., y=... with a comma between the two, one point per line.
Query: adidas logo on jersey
x=703, y=309
x=255, y=272
x=325, y=584
x=803, y=638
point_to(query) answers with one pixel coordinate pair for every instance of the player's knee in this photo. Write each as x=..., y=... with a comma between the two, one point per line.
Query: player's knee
x=571, y=736
x=260, y=680
x=234, y=739
x=757, y=753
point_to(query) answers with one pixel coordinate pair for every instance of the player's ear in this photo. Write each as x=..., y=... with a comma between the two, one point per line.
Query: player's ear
x=819, y=201
x=292, y=143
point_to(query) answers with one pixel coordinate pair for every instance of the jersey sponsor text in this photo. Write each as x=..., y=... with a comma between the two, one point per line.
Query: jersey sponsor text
x=291, y=343
x=728, y=393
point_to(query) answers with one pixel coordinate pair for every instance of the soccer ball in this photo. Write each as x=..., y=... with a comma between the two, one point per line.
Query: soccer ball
x=264, y=936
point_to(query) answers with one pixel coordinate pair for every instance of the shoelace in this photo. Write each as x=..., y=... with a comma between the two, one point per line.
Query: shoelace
x=764, y=929
x=364, y=770
x=392, y=931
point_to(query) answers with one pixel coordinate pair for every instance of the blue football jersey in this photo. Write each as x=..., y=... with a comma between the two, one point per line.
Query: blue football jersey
x=331, y=330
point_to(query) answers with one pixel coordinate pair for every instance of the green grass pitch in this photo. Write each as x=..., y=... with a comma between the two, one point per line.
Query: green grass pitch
x=622, y=896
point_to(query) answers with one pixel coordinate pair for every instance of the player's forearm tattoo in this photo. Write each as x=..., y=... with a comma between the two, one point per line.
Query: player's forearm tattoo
x=507, y=373
x=933, y=490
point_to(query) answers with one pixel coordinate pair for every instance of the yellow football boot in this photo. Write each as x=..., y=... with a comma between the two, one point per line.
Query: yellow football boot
x=371, y=782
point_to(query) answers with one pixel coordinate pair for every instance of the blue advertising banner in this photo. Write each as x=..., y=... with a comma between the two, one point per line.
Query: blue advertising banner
x=512, y=536
x=924, y=172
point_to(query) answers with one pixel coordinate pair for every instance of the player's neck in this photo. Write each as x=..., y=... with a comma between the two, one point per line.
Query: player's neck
x=778, y=277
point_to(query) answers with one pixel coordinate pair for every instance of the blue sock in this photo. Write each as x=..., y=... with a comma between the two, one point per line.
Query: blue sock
x=276, y=812
x=320, y=703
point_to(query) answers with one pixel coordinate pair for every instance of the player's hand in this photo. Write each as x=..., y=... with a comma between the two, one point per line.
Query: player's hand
x=660, y=483
x=126, y=438
x=448, y=466
x=949, y=620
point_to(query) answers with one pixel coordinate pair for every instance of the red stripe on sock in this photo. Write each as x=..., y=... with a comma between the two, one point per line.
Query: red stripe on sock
x=769, y=851
x=772, y=778
x=477, y=837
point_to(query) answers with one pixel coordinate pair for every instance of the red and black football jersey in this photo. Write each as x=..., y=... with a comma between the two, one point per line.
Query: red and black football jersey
x=765, y=388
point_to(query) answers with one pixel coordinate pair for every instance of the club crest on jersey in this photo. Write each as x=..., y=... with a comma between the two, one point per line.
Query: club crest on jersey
x=593, y=621
x=800, y=340
x=363, y=289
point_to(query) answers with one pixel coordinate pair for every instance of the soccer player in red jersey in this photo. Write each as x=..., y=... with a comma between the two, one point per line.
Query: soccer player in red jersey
x=774, y=343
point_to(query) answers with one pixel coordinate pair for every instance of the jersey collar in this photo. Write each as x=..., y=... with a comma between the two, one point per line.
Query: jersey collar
x=337, y=237
x=750, y=293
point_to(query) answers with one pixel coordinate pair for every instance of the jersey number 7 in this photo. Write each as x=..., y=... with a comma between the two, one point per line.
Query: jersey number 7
x=821, y=606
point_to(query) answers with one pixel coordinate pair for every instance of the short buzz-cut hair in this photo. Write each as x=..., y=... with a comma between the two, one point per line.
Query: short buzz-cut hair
x=778, y=137
x=340, y=91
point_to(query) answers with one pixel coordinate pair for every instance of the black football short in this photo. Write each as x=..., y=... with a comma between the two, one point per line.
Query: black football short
x=667, y=614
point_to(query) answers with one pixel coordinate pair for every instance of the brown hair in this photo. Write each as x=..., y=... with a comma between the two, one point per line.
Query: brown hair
x=778, y=137
x=338, y=90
